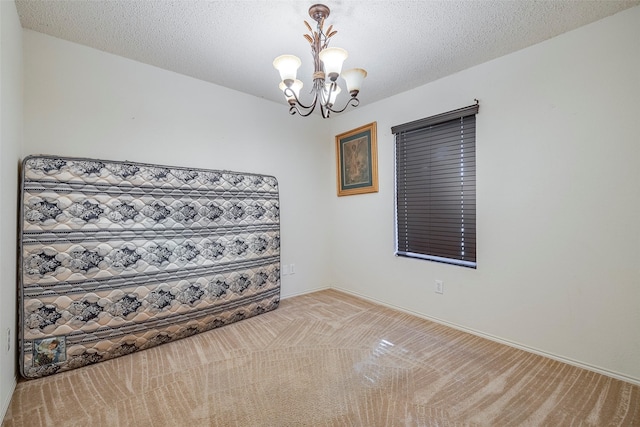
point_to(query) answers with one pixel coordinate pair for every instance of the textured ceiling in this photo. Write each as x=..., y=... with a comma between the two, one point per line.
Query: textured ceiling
x=402, y=44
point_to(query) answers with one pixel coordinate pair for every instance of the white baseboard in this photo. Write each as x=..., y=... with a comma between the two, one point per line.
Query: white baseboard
x=559, y=358
x=309, y=291
x=7, y=400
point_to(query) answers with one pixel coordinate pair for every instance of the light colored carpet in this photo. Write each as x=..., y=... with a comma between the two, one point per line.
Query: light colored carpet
x=327, y=359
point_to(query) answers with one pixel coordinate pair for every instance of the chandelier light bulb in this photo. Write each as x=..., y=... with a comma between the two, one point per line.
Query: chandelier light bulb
x=288, y=66
x=295, y=87
x=331, y=91
x=332, y=58
x=354, y=78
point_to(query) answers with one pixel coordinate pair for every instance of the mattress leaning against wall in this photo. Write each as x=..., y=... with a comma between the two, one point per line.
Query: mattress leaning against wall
x=117, y=257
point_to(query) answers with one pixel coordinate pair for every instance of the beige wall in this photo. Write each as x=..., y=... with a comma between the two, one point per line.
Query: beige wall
x=558, y=201
x=10, y=142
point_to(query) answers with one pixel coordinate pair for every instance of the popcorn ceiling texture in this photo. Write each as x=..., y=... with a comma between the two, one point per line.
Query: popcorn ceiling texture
x=402, y=44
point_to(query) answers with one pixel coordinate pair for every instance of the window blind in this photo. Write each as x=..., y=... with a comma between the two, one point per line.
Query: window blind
x=436, y=188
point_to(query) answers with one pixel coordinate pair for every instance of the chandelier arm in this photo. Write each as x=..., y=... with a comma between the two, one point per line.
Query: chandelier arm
x=324, y=111
x=299, y=107
x=354, y=102
x=289, y=92
x=293, y=109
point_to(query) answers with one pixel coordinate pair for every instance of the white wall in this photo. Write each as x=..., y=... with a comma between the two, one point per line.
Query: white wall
x=83, y=102
x=558, y=201
x=10, y=141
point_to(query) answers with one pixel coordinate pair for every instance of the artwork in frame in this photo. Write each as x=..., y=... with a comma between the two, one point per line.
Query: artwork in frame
x=357, y=161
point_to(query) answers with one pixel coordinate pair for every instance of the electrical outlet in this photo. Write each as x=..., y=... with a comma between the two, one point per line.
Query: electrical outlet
x=292, y=269
x=285, y=269
x=439, y=287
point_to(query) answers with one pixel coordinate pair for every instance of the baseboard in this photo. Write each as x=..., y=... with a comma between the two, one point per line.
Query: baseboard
x=569, y=361
x=310, y=291
x=7, y=400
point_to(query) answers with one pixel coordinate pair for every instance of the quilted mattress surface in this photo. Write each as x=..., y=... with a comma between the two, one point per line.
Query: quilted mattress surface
x=117, y=257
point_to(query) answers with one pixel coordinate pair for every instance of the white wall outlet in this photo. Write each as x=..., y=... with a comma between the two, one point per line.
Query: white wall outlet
x=285, y=269
x=292, y=269
x=439, y=287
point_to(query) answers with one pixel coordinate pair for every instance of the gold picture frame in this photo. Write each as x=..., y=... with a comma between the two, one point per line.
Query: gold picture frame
x=357, y=161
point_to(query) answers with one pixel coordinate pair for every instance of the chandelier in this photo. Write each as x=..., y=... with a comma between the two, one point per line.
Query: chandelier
x=325, y=86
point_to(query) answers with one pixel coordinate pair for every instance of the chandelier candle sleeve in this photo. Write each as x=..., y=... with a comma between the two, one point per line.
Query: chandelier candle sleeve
x=327, y=69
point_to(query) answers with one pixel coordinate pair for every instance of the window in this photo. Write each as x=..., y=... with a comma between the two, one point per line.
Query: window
x=436, y=187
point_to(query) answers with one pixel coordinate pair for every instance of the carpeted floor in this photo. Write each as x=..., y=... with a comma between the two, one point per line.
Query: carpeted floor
x=327, y=359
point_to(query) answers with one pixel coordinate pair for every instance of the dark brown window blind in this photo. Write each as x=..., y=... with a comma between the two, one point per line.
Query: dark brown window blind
x=436, y=187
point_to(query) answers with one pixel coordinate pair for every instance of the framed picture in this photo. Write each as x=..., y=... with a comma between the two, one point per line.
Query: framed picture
x=357, y=161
